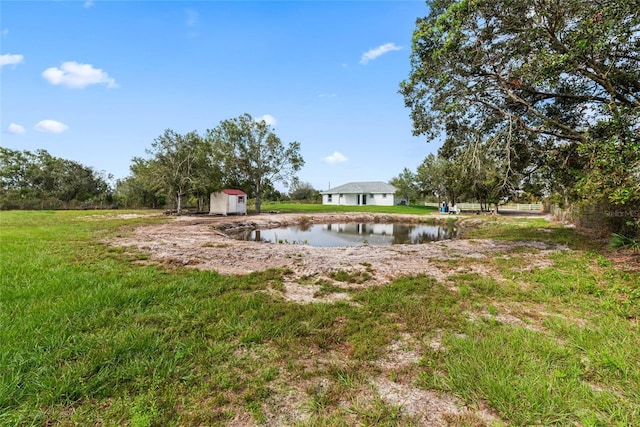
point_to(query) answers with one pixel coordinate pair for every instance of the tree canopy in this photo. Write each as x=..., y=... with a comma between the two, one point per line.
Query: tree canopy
x=304, y=191
x=405, y=182
x=181, y=165
x=251, y=154
x=239, y=153
x=39, y=180
x=555, y=83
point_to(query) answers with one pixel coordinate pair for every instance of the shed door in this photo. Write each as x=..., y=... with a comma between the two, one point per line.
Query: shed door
x=233, y=203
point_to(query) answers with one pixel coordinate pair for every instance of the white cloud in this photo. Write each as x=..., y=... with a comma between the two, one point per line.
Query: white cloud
x=336, y=157
x=89, y=3
x=5, y=31
x=77, y=76
x=268, y=119
x=50, y=126
x=327, y=95
x=16, y=129
x=372, y=54
x=9, y=59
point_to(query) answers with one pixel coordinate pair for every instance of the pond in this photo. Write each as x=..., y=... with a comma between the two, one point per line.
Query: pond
x=335, y=235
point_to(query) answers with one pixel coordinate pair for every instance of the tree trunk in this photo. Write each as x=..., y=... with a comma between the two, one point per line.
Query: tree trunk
x=258, y=202
x=179, y=203
x=258, y=196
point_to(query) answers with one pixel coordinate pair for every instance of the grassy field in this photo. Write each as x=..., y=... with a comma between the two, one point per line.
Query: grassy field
x=91, y=336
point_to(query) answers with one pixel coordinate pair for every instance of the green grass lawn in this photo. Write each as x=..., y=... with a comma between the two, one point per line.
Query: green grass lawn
x=317, y=208
x=91, y=336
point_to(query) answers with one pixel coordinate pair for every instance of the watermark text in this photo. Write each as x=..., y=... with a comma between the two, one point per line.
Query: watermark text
x=622, y=214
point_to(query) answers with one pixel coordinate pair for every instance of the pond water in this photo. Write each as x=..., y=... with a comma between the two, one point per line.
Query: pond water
x=332, y=235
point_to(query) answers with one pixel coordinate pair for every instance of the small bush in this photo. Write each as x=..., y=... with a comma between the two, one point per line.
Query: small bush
x=619, y=241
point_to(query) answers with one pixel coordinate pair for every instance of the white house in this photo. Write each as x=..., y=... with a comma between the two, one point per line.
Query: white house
x=375, y=193
x=228, y=202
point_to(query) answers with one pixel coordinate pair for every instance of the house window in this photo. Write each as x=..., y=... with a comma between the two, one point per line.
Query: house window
x=384, y=196
x=371, y=196
x=240, y=199
x=329, y=198
x=341, y=195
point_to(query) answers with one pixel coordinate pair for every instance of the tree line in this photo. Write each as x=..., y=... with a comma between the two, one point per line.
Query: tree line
x=478, y=175
x=38, y=180
x=240, y=153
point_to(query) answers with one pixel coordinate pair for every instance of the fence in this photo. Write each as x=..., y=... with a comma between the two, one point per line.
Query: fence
x=528, y=207
x=601, y=218
x=52, y=204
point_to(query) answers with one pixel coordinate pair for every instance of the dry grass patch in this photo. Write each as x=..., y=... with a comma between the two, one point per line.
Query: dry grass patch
x=431, y=408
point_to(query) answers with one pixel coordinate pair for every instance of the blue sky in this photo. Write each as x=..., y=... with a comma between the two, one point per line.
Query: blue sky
x=97, y=81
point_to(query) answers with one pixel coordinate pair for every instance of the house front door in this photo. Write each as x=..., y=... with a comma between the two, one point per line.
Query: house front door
x=364, y=199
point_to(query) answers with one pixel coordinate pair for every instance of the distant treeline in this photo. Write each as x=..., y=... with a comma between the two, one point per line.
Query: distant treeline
x=180, y=172
x=38, y=180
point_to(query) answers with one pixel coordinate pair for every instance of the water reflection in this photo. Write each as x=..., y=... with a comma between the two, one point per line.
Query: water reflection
x=326, y=235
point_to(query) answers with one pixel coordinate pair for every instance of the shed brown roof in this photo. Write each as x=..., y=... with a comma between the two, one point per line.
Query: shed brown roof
x=232, y=192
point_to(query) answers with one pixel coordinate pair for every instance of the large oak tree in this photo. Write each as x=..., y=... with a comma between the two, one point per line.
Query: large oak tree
x=563, y=75
x=250, y=153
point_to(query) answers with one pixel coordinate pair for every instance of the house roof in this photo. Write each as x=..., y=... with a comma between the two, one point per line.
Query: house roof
x=362, y=188
x=232, y=192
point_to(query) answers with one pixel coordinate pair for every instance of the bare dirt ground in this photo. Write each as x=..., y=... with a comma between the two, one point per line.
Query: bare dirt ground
x=202, y=242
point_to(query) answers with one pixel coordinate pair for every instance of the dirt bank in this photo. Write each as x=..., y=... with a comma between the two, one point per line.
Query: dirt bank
x=201, y=242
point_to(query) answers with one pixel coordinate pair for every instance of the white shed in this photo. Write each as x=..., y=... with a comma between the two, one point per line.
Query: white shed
x=228, y=201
